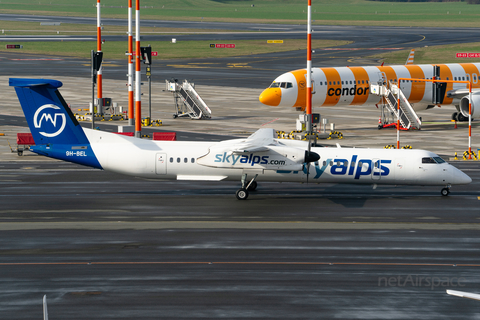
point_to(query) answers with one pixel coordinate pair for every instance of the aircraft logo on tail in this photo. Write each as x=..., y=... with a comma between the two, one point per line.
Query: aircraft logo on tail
x=49, y=117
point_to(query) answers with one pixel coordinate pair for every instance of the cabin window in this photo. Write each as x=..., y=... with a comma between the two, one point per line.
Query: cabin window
x=360, y=163
x=171, y=159
x=193, y=160
x=185, y=160
x=329, y=83
x=178, y=160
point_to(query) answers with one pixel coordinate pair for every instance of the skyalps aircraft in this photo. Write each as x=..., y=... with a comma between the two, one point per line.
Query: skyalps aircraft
x=350, y=86
x=260, y=157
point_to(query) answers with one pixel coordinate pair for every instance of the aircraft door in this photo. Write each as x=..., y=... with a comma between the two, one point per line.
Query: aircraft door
x=376, y=169
x=161, y=163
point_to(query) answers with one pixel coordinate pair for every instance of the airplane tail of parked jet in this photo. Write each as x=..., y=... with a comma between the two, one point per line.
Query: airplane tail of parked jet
x=260, y=156
x=410, y=58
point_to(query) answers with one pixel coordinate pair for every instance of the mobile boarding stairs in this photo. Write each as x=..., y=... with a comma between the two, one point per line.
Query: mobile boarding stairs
x=188, y=102
x=408, y=117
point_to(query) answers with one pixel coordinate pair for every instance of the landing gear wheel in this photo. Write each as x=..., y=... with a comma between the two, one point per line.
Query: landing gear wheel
x=252, y=186
x=445, y=192
x=242, y=194
x=461, y=117
x=455, y=116
x=175, y=116
x=380, y=127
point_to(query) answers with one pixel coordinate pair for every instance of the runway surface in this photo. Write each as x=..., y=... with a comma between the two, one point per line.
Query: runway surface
x=102, y=245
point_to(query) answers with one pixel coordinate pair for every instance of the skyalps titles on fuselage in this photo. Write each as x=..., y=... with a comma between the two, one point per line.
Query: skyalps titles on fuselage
x=260, y=157
x=350, y=86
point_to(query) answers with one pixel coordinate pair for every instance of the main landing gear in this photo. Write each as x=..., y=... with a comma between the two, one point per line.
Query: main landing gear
x=458, y=116
x=445, y=191
x=242, y=193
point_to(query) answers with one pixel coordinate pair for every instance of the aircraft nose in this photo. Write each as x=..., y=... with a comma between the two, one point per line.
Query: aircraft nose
x=461, y=177
x=271, y=96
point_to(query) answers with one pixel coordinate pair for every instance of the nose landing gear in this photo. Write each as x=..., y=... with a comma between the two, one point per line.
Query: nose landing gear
x=242, y=193
x=445, y=191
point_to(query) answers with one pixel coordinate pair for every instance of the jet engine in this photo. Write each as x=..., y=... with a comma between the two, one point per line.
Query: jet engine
x=475, y=105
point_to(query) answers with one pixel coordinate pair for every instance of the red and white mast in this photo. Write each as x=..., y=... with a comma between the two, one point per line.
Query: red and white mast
x=308, y=110
x=131, y=116
x=138, y=101
x=99, y=49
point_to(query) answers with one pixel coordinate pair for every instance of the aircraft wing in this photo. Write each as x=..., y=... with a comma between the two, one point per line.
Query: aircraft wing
x=462, y=294
x=258, y=141
x=460, y=93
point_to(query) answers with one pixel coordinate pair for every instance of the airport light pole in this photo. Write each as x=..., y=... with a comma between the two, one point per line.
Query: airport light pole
x=99, y=49
x=131, y=116
x=93, y=89
x=138, y=95
x=309, y=70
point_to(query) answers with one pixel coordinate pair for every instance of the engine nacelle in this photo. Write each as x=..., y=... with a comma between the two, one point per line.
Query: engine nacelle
x=274, y=158
x=475, y=105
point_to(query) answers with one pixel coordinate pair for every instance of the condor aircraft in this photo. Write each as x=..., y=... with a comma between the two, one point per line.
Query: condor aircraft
x=350, y=86
x=260, y=157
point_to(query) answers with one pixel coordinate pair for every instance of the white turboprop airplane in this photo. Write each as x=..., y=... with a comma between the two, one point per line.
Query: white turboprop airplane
x=350, y=86
x=57, y=134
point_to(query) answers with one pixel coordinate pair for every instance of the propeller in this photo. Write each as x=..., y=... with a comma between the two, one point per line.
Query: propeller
x=310, y=156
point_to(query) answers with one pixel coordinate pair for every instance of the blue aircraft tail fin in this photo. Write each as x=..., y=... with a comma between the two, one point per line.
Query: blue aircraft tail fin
x=50, y=119
x=56, y=132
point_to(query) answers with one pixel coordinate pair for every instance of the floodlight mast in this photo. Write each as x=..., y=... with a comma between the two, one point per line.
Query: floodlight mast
x=138, y=101
x=131, y=116
x=308, y=109
x=99, y=49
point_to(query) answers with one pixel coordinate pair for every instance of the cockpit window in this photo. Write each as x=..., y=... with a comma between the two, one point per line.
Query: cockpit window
x=433, y=160
x=284, y=85
x=428, y=160
x=439, y=160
